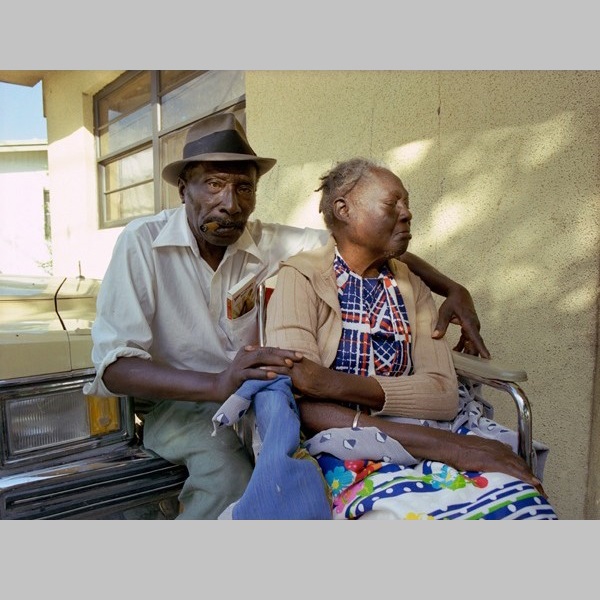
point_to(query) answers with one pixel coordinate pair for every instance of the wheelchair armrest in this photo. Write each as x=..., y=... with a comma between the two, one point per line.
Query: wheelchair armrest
x=469, y=365
x=501, y=377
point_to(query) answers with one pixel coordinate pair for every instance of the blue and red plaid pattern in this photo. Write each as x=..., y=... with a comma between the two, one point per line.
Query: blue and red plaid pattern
x=376, y=337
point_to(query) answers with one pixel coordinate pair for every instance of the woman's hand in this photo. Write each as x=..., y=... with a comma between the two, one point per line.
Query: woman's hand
x=311, y=379
x=459, y=308
x=474, y=453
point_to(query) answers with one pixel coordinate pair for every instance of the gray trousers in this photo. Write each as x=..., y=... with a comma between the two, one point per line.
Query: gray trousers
x=219, y=467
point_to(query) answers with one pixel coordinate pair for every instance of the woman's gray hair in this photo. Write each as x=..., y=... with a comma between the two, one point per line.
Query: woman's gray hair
x=339, y=181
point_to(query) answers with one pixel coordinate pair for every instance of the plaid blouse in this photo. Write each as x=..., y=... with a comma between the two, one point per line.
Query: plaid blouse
x=376, y=337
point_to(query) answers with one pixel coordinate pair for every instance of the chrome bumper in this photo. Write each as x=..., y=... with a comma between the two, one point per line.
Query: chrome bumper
x=92, y=488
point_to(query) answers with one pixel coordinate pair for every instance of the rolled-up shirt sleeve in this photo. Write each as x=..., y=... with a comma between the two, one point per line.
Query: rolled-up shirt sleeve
x=124, y=309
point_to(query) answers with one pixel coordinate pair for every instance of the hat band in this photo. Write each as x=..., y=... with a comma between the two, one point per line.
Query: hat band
x=221, y=141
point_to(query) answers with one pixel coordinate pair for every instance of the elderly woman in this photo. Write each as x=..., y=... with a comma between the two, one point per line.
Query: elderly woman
x=394, y=433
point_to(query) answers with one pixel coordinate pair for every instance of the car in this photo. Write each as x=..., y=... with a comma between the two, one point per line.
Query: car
x=65, y=455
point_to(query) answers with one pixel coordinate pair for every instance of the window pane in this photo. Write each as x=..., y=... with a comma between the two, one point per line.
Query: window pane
x=201, y=96
x=169, y=79
x=171, y=147
x=133, y=169
x=170, y=195
x=132, y=128
x=128, y=98
x=126, y=128
x=125, y=115
x=129, y=203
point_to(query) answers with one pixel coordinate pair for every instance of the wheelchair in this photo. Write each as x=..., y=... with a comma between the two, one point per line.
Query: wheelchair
x=474, y=369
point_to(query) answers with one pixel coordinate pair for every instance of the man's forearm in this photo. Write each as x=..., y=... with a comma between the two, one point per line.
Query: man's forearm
x=458, y=306
x=436, y=281
x=131, y=376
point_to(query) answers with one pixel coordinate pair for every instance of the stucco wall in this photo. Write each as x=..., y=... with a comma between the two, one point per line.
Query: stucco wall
x=503, y=172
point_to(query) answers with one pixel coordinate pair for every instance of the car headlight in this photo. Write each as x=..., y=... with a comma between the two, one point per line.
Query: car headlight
x=53, y=419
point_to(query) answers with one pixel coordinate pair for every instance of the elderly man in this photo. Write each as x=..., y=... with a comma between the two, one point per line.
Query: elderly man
x=162, y=332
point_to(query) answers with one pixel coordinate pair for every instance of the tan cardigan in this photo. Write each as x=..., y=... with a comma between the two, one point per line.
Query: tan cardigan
x=304, y=315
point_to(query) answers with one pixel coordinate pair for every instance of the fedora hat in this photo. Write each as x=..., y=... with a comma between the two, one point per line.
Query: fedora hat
x=217, y=138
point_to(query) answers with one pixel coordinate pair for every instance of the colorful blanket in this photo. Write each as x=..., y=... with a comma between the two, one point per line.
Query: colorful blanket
x=427, y=490
x=365, y=482
x=367, y=474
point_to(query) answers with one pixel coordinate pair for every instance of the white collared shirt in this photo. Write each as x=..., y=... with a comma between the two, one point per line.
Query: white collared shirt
x=161, y=301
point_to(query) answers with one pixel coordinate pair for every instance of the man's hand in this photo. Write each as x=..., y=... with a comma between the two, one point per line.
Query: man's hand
x=254, y=362
x=458, y=308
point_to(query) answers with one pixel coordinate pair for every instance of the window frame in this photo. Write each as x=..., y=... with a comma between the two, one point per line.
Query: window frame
x=162, y=197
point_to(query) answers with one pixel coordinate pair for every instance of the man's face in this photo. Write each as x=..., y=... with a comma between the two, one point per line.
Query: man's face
x=219, y=198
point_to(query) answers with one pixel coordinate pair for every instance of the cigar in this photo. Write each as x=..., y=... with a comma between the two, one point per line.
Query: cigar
x=212, y=226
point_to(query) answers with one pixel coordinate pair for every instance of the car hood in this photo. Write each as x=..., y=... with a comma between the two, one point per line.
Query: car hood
x=45, y=324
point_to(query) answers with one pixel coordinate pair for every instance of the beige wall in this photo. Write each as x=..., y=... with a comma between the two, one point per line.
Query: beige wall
x=503, y=172
x=23, y=179
x=68, y=108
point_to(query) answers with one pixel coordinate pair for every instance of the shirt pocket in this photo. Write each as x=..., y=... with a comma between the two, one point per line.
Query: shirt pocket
x=244, y=329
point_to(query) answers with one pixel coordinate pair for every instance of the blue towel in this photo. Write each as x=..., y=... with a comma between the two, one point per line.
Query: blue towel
x=282, y=486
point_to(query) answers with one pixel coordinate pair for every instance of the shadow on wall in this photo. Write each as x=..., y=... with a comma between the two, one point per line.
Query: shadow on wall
x=512, y=213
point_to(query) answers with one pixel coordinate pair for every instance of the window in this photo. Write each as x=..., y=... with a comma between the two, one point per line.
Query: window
x=140, y=124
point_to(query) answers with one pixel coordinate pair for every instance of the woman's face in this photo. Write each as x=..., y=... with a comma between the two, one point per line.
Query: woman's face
x=378, y=217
